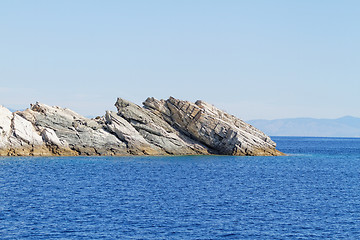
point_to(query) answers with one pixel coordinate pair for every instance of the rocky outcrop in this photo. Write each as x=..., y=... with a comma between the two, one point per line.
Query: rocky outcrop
x=161, y=127
x=157, y=132
x=216, y=129
x=76, y=134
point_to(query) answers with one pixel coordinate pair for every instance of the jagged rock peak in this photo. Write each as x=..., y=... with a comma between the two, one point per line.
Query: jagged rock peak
x=160, y=127
x=214, y=128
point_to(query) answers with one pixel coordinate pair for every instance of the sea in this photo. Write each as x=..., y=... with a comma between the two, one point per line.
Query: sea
x=312, y=193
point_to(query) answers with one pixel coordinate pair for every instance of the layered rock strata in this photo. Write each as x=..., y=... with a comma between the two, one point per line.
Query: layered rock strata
x=161, y=127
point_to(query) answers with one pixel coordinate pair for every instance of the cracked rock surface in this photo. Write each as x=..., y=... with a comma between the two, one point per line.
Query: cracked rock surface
x=160, y=127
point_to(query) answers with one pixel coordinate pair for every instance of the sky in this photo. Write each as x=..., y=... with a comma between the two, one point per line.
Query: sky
x=254, y=59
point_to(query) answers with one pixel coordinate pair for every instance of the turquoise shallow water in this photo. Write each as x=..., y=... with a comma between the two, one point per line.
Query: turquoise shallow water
x=314, y=193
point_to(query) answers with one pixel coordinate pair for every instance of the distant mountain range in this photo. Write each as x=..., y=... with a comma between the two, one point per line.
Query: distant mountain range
x=341, y=127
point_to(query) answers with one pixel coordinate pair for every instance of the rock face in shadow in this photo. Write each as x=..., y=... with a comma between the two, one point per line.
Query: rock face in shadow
x=161, y=127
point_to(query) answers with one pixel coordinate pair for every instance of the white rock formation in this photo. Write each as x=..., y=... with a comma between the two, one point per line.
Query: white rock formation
x=161, y=127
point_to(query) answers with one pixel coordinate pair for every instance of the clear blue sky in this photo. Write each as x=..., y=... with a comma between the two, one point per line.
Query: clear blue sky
x=254, y=59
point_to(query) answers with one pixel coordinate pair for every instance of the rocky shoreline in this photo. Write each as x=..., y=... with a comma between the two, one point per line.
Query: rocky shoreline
x=160, y=127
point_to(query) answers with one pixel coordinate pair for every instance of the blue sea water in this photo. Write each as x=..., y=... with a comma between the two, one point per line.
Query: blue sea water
x=313, y=193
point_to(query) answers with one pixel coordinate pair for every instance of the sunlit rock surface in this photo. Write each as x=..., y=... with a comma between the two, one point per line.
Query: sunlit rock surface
x=161, y=127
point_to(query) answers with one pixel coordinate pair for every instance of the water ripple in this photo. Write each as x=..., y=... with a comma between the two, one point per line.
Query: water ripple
x=313, y=193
